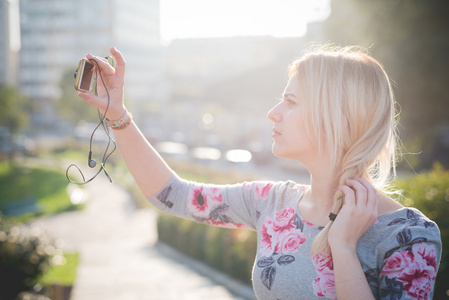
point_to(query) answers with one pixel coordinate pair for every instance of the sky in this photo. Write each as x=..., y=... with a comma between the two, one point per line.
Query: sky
x=214, y=18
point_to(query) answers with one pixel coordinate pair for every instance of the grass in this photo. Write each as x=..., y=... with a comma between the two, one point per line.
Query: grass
x=73, y=155
x=46, y=185
x=62, y=274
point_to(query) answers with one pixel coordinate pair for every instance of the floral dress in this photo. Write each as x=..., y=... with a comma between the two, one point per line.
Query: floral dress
x=399, y=253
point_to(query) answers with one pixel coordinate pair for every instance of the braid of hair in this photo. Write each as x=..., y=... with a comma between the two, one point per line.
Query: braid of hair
x=355, y=162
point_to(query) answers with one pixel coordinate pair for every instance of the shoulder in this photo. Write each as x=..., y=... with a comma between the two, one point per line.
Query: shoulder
x=408, y=218
x=410, y=258
x=387, y=204
x=271, y=197
x=398, y=229
x=404, y=226
x=399, y=246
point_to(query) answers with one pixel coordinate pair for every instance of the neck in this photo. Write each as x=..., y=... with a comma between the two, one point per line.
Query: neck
x=322, y=192
x=323, y=185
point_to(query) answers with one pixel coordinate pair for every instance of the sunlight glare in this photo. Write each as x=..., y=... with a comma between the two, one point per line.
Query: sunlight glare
x=202, y=18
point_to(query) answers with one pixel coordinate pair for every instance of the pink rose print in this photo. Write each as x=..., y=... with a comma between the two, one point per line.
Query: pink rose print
x=427, y=253
x=198, y=201
x=216, y=223
x=281, y=236
x=213, y=194
x=201, y=200
x=415, y=269
x=278, y=238
x=284, y=219
x=307, y=222
x=321, y=262
x=418, y=283
x=396, y=263
x=324, y=284
x=262, y=190
x=206, y=206
x=224, y=224
x=268, y=236
x=289, y=241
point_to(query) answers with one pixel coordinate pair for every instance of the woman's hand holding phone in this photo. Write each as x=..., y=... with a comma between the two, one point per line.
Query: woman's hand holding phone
x=114, y=79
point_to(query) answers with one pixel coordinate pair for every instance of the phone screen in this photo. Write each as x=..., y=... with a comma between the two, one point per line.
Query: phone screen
x=86, y=78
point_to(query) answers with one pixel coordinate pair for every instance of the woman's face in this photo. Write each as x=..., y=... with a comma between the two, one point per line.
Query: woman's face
x=289, y=132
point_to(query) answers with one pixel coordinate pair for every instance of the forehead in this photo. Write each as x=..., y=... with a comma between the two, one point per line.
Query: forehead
x=292, y=88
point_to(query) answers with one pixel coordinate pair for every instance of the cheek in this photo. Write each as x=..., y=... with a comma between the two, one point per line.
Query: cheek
x=300, y=128
x=302, y=139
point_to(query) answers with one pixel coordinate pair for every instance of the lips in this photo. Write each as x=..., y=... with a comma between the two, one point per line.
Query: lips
x=275, y=132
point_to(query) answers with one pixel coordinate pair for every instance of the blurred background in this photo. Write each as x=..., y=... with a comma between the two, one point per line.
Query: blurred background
x=201, y=77
x=205, y=74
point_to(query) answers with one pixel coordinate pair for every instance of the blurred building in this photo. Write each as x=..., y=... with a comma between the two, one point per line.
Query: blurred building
x=236, y=80
x=56, y=34
x=9, y=42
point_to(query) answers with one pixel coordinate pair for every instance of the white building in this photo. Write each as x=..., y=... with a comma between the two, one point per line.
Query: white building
x=9, y=41
x=56, y=34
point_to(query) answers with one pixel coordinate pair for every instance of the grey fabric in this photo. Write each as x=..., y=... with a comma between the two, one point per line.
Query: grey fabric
x=399, y=253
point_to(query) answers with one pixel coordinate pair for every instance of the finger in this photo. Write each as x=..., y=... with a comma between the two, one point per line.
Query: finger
x=103, y=64
x=360, y=192
x=349, y=195
x=120, y=62
x=92, y=99
x=372, y=197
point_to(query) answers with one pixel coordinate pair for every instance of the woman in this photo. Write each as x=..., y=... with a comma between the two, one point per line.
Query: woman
x=342, y=235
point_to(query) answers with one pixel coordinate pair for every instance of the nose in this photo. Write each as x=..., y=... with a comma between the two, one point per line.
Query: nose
x=274, y=115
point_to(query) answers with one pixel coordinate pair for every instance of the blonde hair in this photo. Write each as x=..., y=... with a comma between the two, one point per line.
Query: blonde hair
x=351, y=111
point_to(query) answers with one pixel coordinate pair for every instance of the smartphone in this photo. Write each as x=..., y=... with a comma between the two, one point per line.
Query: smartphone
x=84, y=76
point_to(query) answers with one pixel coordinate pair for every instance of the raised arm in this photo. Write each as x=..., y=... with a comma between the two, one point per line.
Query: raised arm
x=147, y=167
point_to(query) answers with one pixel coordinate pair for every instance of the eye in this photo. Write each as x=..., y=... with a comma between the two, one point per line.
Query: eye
x=289, y=101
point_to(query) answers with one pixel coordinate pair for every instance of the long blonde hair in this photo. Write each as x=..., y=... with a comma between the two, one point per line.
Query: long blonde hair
x=351, y=111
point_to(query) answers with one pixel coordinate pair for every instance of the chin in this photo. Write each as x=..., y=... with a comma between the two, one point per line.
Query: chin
x=278, y=152
x=281, y=153
x=274, y=150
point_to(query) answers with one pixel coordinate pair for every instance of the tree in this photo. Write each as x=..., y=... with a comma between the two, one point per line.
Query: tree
x=411, y=39
x=15, y=109
x=69, y=105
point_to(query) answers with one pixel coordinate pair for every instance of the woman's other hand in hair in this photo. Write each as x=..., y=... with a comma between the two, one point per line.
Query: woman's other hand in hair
x=357, y=214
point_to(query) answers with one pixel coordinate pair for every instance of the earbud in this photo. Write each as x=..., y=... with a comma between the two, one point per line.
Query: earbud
x=91, y=162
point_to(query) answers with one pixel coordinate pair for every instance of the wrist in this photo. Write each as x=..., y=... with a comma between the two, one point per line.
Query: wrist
x=114, y=114
x=342, y=247
x=121, y=123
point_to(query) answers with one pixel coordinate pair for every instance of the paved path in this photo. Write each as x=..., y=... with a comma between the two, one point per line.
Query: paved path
x=120, y=257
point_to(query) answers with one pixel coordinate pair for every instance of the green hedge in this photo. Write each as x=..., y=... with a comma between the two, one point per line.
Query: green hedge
x=229, y=250
x=429, y=192
x=233, y=251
